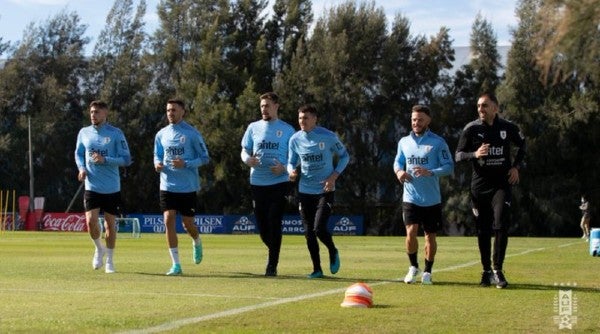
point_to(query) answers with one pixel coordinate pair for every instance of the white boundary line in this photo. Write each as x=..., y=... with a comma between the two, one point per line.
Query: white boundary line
x=189, y=321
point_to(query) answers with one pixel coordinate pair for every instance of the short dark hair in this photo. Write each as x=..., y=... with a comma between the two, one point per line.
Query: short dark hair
x=99, y=104
x=490, y=96
x=421, y=108
x=177, y=101
x=308, y=108
x=270, y=96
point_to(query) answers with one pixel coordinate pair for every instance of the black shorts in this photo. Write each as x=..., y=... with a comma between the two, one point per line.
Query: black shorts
x=185, y=203
x=108, y=203
x=429, y=217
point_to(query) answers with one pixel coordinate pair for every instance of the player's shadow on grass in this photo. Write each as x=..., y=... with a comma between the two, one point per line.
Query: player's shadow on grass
x=352, y=280
x=326, y=277
x=254, y=275
x=519, y=286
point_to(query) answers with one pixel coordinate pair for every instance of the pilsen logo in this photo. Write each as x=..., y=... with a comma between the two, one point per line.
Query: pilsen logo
x=64, y=222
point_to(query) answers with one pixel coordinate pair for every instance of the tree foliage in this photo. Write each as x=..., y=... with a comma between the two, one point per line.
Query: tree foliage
x=361, y=72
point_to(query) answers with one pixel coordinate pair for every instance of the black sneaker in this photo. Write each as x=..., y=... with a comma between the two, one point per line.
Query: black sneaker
x=501, y=282
x=487, y=278
x=271, y=271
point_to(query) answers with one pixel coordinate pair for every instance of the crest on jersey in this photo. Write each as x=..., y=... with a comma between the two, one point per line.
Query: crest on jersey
x=503, y=134
x=279, y=133
x=428, y=148
x=106, y=140
x=182, y=139
x=321, y=146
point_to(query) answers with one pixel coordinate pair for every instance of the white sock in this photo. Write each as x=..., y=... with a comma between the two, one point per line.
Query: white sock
x=98, y=243
x=174, y=255
x=109, y=255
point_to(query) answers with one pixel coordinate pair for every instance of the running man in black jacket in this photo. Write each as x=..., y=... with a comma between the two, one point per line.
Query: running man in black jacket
x=486, y=142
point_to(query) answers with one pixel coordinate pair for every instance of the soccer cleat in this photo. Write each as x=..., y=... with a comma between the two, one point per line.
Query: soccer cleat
x=487, y=278
x=501, y=282
x=198, y=253
x=175, y=270
x=98, y=260
x=110, y=268
x=426, y=278
x=316, y=274
x=411, y=276
x=334, y=262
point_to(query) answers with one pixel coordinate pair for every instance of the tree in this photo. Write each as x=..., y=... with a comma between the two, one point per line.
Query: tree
x=288, y=26
x=569, y=39
x=244, y=34
x=42, y=80
x=119, y=76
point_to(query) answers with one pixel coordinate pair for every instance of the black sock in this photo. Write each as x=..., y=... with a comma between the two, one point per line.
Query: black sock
x=413, y=260
x=428, y=265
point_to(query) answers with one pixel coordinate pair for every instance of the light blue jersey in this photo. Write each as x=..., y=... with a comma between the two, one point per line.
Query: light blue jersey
x=314, y=152
x=109, y=142
x=183, y=141
x=268, y=141
x=431, y=152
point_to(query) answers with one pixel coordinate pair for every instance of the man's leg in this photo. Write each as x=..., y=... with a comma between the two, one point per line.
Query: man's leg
x=91, y=220
x=110, y=237
x=412, y=249
x=307, y=212
x=324, y=209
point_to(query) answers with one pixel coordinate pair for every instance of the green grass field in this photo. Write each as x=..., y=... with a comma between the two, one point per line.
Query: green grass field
x=47, y=285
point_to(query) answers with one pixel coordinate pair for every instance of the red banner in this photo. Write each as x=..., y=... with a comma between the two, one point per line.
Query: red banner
x=58, y=221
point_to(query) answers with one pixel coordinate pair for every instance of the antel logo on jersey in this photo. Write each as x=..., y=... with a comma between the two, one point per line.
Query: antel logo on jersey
x=312, y=157
x=412, y=160
x=496, y=151
x=267, y=145
x=103, y=153
x=175, y=151
x=344, y=226
x=243, y=226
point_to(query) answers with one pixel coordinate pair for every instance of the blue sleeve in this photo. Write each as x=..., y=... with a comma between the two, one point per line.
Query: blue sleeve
x=247, y=143
x=159, y=153
x=80, y=152
x=292, y=157
x=342, y=153
x=122, y=156
x=446, y=166
x=400, y=159
x=201, y=156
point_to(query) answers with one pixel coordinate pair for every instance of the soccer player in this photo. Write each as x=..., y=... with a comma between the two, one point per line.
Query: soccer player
x=314, y=149
x=486, y=142
x=100, y=149
x=585, y=218
x=421, y=159
x=179, y=150
x=264, y=149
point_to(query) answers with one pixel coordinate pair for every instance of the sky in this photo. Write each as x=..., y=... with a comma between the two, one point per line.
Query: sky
x=425, y=16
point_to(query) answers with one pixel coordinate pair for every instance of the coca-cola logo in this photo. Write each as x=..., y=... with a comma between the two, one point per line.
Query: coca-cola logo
x=64, y=222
